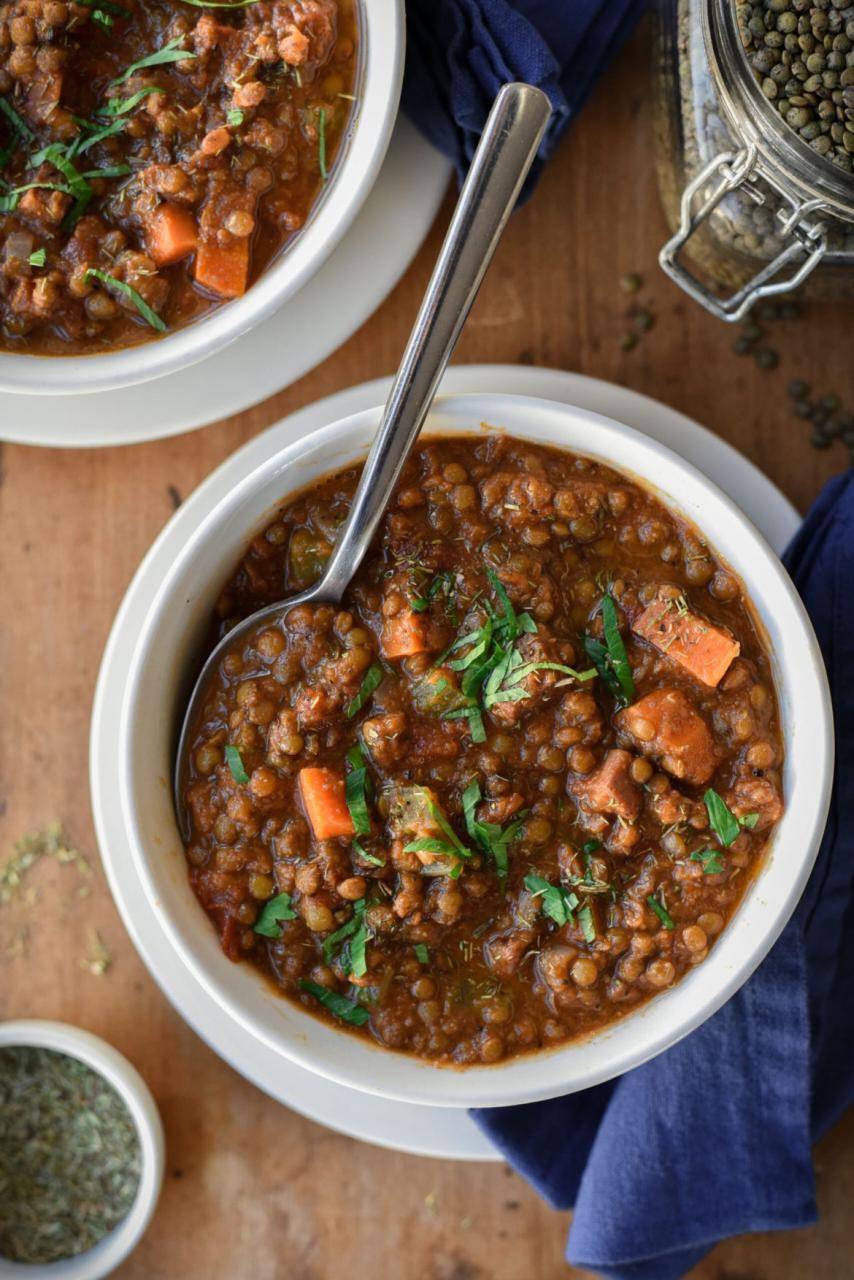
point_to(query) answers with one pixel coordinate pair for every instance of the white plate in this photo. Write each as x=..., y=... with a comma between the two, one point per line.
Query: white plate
x=336, y=301
x=417, y=1129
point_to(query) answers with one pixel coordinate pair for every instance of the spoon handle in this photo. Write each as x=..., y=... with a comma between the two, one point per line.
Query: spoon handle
x=504, y=155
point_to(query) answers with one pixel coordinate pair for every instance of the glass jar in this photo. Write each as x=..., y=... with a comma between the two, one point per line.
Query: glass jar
x=752, y=204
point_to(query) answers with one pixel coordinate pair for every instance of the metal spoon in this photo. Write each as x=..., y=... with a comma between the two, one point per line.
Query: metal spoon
x=504, y=155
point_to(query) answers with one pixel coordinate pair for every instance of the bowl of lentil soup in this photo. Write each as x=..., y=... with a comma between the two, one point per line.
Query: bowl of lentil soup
x=543, y=923
x=172, y=175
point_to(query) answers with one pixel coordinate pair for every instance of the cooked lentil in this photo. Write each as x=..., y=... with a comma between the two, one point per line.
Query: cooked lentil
x=155, y=158
x=470, y=883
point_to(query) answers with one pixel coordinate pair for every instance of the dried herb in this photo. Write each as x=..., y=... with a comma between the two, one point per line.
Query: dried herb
x=69, y=1156
x=31, y=849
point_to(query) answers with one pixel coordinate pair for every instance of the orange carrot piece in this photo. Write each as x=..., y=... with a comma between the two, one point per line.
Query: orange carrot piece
x=325, y=803
x=224, y=269
x=171, y=234
x=404, y=634
x=701, y=648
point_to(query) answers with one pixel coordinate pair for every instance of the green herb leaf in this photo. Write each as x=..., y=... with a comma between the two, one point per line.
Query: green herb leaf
x=617, y=656
x=277, y=909
x=422, y=953
x=355, y=792
x=371, y=681
x=38, y=258
x=368, y=857
x=726, y=824
x=234, y=760
x=18, y=123
x=590, y=847
x=557, y=903
x=151, y=317
x=121, y=106
x=662, y=912
x=170, y=52
x=586, y=923
x=235, y=117
x=340, y=1006
x=356, y=929
x=711, y=859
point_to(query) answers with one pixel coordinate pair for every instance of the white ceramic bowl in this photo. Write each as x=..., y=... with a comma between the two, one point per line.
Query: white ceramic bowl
x=363, y=149
x=154, y=699
x=104, y=1257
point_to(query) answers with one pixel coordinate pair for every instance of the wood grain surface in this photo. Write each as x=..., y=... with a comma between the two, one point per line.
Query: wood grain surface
x=252, y=1189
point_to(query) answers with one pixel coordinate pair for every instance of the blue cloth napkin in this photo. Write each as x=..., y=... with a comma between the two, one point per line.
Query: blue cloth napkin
x=713, y=1138
x=460, y=53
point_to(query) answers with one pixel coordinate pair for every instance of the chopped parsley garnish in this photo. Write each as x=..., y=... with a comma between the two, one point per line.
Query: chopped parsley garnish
x=493, y=669
x=726, y=824
x=490, y=836
x=321, y=143
x=17, y=122
x=277, y=909
x=340, y=1006
x=442, y=581
x=121, y=106
x=151, y=317
x=711, y=859
x=234, y=760
x=371, y=681
x=234, y=117
x=355, y=929
x=586, y=923
x=558, y=903
x=356, y=792
x=610, y=659
x=590, y=847
x=368, y=857
x=422, y=953
x=170, y=52
x=661, y=911
x=38, y=258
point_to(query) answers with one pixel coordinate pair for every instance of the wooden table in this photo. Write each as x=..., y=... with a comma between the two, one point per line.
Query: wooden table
x=252, y=1189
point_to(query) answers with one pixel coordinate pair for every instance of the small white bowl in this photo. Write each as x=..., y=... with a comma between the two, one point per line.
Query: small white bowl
x=154, y=701
x=382, y=34
x=103, y=1258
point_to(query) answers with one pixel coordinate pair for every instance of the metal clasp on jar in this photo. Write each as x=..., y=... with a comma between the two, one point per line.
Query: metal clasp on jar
x=806, y=234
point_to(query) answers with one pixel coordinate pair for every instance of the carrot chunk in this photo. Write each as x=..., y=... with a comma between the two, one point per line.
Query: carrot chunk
x=171, y=234
x=224, y=269
x=324, y=800
x=406, y=633
x=701, y=648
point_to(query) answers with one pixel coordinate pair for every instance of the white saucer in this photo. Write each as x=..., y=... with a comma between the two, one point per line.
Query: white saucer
x=350, y=285
x=429, y=1131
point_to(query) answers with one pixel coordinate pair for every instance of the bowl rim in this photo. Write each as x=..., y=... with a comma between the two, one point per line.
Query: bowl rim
x=103, y=1258
x=650, y=1030
x=352, y=178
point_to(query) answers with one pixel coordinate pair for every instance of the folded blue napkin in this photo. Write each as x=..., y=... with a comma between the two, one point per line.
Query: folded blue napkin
x=713, y=1138
x=460, y=53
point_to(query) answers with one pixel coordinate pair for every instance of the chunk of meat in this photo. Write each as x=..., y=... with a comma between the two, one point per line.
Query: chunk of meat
x=750, y=794
x=515, y=500
x=386, y=738
x=611, y=788
x=315, y=704
x=505, y=954
x=697, y=645
x=324, y=799
x=667, y=726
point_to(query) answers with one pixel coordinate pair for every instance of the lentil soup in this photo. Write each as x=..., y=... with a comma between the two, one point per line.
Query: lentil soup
x=155, y=157
x=514, y=786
